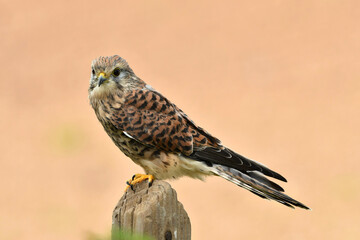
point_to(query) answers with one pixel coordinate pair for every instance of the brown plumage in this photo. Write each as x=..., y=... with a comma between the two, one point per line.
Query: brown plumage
x=161, y=138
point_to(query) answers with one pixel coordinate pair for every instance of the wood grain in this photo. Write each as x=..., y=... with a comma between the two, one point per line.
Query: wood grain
x=152, y=211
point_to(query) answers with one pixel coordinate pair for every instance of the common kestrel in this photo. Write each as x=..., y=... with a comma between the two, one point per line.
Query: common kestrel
x=161, y=138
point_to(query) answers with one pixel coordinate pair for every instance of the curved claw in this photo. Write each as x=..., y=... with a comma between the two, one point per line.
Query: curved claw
x=137, y=178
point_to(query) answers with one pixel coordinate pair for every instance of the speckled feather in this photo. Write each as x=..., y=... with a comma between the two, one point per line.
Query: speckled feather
x=151, y=119
x=160, y=137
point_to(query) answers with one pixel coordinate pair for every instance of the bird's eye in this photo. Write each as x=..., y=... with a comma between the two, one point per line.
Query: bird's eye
x=93, y=71
x=116, y=72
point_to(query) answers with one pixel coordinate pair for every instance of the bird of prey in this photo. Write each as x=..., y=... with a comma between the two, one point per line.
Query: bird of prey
x=163, y=140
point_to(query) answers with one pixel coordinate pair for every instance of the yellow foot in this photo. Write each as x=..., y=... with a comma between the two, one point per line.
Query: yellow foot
x=138, y=178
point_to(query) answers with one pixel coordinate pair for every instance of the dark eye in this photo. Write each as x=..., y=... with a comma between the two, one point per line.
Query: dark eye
x=116, y=72
x=93, y=71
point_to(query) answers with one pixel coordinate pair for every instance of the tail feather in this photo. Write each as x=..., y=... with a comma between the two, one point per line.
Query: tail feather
x=257, y=184
x=261, y=178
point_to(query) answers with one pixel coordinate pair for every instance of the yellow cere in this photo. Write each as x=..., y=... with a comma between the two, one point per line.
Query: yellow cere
x=102, y=75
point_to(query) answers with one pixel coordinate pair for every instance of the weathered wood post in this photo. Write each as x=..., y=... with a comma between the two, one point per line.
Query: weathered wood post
x=151, y=211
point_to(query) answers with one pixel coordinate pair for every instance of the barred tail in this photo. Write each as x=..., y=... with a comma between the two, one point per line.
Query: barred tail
x=258, y=184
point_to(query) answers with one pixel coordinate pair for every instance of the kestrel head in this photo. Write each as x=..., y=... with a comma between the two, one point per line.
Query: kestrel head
x=109, y=74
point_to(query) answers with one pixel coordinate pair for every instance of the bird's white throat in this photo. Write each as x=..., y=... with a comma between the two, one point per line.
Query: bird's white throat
x=103, y=91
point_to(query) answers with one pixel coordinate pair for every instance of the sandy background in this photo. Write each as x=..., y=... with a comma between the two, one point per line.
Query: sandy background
x=278, y=82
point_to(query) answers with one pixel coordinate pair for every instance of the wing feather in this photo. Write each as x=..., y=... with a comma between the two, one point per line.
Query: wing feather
x=153, y=120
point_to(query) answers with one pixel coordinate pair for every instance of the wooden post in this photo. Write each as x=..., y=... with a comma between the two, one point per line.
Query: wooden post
x=151, y=211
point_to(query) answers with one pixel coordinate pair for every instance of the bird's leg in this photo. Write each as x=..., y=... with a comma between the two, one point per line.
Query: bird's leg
x=137, y=178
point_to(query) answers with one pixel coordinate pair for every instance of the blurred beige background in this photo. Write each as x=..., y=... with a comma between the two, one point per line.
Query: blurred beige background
x=278, y=81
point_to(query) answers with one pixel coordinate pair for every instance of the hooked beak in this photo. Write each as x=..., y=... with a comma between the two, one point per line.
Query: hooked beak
x=102, y=79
